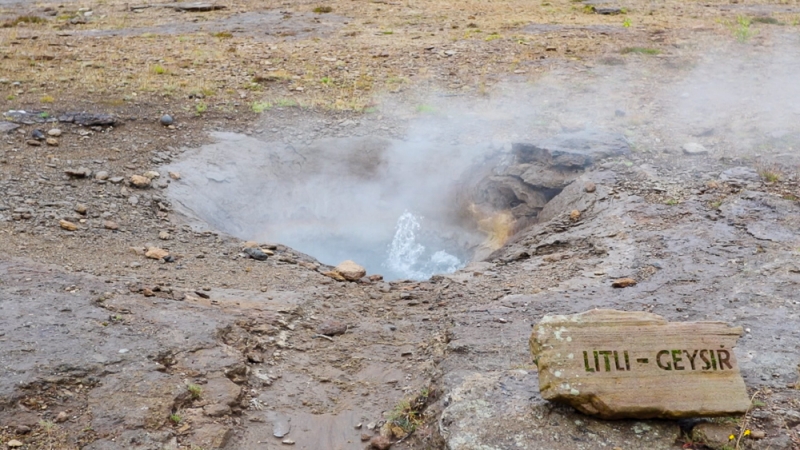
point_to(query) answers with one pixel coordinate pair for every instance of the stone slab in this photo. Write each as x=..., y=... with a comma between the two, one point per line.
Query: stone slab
x=617, y=364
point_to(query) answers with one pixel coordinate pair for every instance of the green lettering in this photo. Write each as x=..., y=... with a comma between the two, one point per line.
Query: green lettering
x=606, y=354
x=596, y=362
x=586, y=361
x=616, y=361
x=724, y=360
x=658, y=360
x=676, y=358
x=713, y=359
x=691, y=357
x=705, y=359
x=627, y=361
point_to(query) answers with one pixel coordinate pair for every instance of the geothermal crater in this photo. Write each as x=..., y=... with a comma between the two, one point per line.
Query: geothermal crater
x=403, y=209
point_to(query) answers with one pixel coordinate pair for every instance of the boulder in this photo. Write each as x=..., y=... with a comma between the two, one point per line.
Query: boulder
x=617, y=364
x=350, y=271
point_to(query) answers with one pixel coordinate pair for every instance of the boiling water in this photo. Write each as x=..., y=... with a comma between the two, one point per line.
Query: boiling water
x=409, y=258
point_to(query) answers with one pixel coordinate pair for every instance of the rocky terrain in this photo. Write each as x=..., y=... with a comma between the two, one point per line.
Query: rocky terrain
x=144, y=306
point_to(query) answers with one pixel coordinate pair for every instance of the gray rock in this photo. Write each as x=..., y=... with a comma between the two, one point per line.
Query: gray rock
x=7, y=127
x=693, y=149
x=88, y=119
x=167, y=120
x=740, y=174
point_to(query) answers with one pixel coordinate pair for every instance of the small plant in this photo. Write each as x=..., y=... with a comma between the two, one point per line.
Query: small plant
x=47, y=425
x=767, y=20
x=200, y=108
x=11, y=97
x=175, y=418
x=286, y=103
x=323, y=9
x=758, y=403
x=158, y=69
x=640, y=50
x=387, y=32
x=223, y=35
x=44, y=115
x=194, y=390
x=408, y=414
x=492, y=37
x=47, y=99
x=770, y=174
x=326, y=81
x=672, y=202
x=742, y=30
x=627, y=22
x=259, y=107
x=23, y=19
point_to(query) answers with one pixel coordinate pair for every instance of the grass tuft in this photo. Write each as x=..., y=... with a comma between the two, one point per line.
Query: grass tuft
x=323, y=9
x=23, y=19
x=641, y=50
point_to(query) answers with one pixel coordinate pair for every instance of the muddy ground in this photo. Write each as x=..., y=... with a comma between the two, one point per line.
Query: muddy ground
x=105, y=348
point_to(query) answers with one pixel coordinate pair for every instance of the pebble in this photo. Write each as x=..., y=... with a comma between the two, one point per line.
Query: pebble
x=62, y=417
x=152, y=174
x=693, y=148
x=67, y=225
x=23, y=429
x=332, y=328
x=164, y=236
x=758, y=434
x=133, y=200
x=14, y=443
x=380, y=443
x=80, y=172
x=111, y=225
x=365, y=437
x=140, y=181
x=80, y=208
x=175, y=175
x=590, y=187
x=116, y=180
x=55, y=132
x=156, y=253
x=167, y=120
x=38, y=135
x=623, y=282
x=256, y=253
x=52, y=142
x=33, y=143
x=574, y=215
x=288, y=442
x=102, y=175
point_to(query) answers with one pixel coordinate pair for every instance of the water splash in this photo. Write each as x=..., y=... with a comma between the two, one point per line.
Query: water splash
x=408, y=258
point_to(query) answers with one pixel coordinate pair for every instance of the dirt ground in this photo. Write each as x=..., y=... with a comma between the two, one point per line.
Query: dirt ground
x=102, y=347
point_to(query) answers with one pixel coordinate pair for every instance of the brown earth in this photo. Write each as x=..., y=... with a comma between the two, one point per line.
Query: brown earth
x=105, y=348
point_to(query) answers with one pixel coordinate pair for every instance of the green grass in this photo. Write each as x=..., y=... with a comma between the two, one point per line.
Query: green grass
x=260, y=107
x=627, y=23
x=641, y=50
x=194, y=390
x=175, y=418
x=23, y=19
x=47, y=99
x=770, y=174
x=200, y=108
x=223, y=35
x=322, y=9
x=672, y=202
x=767, y=20
x=742, y=29
x=158, y=69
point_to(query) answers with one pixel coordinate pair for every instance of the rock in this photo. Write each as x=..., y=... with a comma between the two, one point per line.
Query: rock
x=174, y=175
x=38, y=134
x=80, y=208
x=54, y=132
x=194, y=7
x=589, y=187
x=332, y=328
x=758, y=434
x=156, y=253
x=110, y=225
x=67, y=225
x=741, y=174
x=80, y=172
x=88, y=119
x=380, y=443
x=623, y=282
x=221, y=390
x=365, y=437
x=7, y=127
x=335, y=275
x=102, y=175
x=617, y=364
x=22, y=429
x=33, y=143
x=350, y=270
x=152, y=174
x=116, y=180
x=14, y=443
x=52, y=142
x=140, y=181
x=256, y=253
x=166, y=120
x=211, y=436
x=216, y=410
x=572, y=150
x=164, y=236
x=713, y=435
x=280, y=425
x=287, y=442
x=62, y=417
x=574, y=215
x=693, y=148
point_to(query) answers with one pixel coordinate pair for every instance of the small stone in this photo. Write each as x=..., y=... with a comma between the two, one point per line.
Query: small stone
x=23, y=429
x=80, y=208
x=167, y=120
x=332, y=328
x=714, y=435
x=33, y=143
x=80, y=172
x=287, y=442
x=175, y=175
x=164, y=236
x=116, y=180
x=102, y=175
x=147, y=292
x=38, y=134
x=335, y=275
x=380, y=443
x=14, y=443
x=693, y=148
x=110, y=225
x=62, y=417
x=54, y=132
x=623, y=282
x=574, y=215
x=152, y=174
x=140, y=181
x=67, y=225
x=133, y=200
x=217, y=410
x=350, y=270
x=358, y=426
x=589, y=187
x=365, y=437
x=256, y=253
x=52, y=142
x=156, y=253
x=375, y=278
x=758, y=434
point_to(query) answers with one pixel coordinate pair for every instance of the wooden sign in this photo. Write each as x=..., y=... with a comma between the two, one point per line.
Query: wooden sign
x=617, y=364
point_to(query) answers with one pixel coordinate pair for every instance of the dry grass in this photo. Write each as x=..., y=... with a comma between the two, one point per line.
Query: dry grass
x=380, y=44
